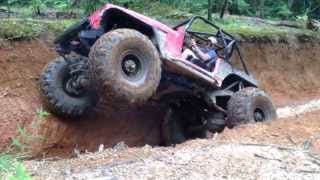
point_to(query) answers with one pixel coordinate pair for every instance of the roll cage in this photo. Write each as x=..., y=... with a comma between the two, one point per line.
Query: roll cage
x=227, y=42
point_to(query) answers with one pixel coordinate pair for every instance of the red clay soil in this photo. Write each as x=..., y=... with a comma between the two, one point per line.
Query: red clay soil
x=289, y=74
x=21, y=64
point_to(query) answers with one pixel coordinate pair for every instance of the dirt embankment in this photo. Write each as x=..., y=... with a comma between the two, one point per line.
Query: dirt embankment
x=289, y=73
x=21, y=63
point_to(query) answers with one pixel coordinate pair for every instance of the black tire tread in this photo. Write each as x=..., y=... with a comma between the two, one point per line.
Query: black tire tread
x=103, y=75
x=239, y=103
x=54, y=102
x=174, y=127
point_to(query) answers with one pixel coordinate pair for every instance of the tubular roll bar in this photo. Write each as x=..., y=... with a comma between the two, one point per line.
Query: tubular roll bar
x=224, y=35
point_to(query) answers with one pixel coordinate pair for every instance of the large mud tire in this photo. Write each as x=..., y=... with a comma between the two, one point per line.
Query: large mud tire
x=250, y=105
x=54, y=95
x=172, y=132
x=126, y=67
x=177, y=124
x=215, y=122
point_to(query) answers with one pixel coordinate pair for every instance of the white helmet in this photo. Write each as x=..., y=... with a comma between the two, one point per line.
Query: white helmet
x=213, y=40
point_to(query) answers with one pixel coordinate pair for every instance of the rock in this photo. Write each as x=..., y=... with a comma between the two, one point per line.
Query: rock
x=120, y=146
x=101, y=148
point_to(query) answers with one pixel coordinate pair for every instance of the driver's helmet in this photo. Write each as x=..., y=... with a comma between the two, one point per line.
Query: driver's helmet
x=213, y=40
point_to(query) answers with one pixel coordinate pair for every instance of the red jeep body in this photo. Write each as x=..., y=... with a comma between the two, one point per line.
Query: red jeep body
x=169, y=41
x=92, y=64
x=170, y=44
x=174, y=39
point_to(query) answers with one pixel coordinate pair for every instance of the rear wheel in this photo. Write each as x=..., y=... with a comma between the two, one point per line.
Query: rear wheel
x=126, y=67
x=182, y=123
x=61, y=91
x=250, y=105
x=215, y=122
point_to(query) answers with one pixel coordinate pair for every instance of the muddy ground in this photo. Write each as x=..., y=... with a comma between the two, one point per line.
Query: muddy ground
x=288, y=72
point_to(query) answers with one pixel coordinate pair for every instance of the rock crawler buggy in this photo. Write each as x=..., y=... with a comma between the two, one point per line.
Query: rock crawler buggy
x=129, y=59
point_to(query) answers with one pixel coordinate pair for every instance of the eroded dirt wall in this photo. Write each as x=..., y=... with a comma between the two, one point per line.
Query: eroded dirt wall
x=20, y=66
x=290, y=73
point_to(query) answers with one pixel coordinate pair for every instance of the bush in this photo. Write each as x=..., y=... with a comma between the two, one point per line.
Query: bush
x=19, y=29
x=281, y=10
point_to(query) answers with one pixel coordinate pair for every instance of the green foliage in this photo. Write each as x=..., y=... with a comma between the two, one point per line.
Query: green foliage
x=41, y=113
x=240, y=7
x=168, y=11
x=91, y=5
x=59, y=4
x=19, y=29
x=15, y=29
x=11, y=168
x=20, y=173
x=282, y=9
x=37, y=5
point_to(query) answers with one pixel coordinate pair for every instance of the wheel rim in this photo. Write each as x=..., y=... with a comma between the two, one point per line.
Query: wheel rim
x=73, y=89
x=131, y=66
x=73, y=86
x=259, y=115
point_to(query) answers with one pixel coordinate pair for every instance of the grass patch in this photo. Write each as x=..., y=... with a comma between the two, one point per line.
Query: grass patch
x=17, y=29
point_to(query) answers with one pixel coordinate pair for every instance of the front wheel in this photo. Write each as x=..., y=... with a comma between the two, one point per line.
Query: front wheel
x=125, y=66
x=61, y=91
x=250, y=105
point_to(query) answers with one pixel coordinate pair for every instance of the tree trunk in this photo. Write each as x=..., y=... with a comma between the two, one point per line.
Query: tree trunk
x=210, y=10
x=38, y=11
x=8, y=6
x=237, y=9
x=224, y=8
x=261, y=7
x=254, y=5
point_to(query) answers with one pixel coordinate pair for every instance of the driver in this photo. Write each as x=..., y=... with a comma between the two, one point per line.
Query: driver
x=203, y=57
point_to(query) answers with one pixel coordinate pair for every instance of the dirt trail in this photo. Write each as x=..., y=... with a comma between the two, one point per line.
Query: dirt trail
x=281, y=149
x=193, y=160
x=289, y=74
x=237, y=154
